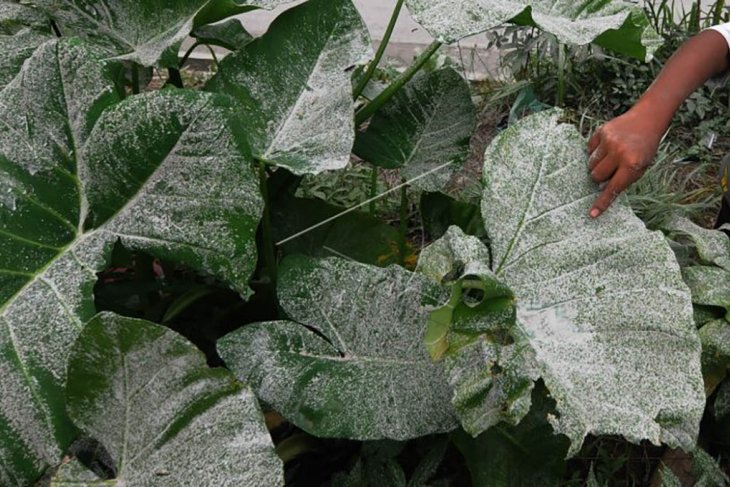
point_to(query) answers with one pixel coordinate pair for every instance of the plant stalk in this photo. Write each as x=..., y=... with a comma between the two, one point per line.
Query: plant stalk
x=373, y=190
x=175, y=79
x=560, y=96
x=403, y=231
x=268, y=240
x=380, y=52
x=368, y=110
x=187, y=54
x=135, y=79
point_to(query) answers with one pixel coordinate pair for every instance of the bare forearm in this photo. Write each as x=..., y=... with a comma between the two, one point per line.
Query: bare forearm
x=699, y=59
x=622, y=149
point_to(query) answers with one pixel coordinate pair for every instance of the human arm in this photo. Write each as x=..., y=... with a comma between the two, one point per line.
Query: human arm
x=622, y=149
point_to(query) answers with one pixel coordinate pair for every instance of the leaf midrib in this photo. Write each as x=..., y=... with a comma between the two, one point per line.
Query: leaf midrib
x=288, y=118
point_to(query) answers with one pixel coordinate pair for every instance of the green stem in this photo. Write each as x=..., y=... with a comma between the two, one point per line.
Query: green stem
x=560, y=97
x=381, y=50
x=135, y=79
x=188, y=53
x=717, y=12
x=268, y=241
x=368, y=110
x=213, y=55
x=402, y=247
x=175, y=78
x=373, y=189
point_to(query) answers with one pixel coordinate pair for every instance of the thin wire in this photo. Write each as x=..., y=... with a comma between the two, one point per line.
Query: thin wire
x=364, y=203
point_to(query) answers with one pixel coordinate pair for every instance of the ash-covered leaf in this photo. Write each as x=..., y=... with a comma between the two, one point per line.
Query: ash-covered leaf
x=599, y=302
x=146, y=393
x=615, y=24
x=351, y=364
x=710, y=286
x=295, y=88
x=715, y=337
x=22, y=30
x=148, y=33
x=161, y=172
x=425, y=125
x=713, y=246
x=229, y=34
x=528, y=454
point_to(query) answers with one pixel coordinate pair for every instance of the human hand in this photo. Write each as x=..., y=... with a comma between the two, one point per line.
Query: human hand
x=620, y=152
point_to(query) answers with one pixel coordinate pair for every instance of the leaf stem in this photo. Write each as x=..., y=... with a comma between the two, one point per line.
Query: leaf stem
x=135, y=79
x=402, y=246
x=560, y=97
x=368, y=110
x=379, y=53
x=373, y=190
x=268, y=241
x=188, y=53
x=175, y=78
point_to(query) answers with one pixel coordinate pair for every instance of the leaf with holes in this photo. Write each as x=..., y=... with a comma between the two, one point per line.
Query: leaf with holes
x=295, y=88
x=614, y=24
x=425, y=126
x=598, y=302
x=351, y=364
x=148, y=396
x=162, y=172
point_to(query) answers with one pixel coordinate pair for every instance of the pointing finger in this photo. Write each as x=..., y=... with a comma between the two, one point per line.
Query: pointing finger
x=618, y=183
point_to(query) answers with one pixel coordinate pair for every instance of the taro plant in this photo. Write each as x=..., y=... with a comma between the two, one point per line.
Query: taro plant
x=538, y=324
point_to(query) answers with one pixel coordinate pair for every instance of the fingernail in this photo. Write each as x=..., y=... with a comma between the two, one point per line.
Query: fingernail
x=595, y=212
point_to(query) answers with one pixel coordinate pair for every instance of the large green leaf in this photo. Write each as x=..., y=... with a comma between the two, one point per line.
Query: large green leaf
x=352, y=364
x=715, y=337
x=222, y=9
x=615, y=24
x=528, y=454
x=713, y=246
x=160, y=172
x=599, y=303
x=22, y=30
x=356, y=235
x=148, y=33
x=229, y=34
x=146, y=394
x=710, y=285
x=425, y=125
x=440, y=211
x=295, y=88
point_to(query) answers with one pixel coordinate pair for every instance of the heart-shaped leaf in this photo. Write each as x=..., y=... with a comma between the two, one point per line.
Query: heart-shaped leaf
x=352, y=364
x=599, y=303
x=229, y=34
x=615, y=24
x=148, y=33
x=22, y=30
x=165, y=418
x=162, y=172
x=295, y=88
x=425, y=125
